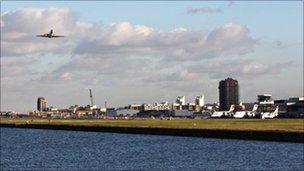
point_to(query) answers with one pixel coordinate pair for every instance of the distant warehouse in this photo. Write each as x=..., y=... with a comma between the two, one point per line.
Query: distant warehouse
x=182, y=113
x=113, y=112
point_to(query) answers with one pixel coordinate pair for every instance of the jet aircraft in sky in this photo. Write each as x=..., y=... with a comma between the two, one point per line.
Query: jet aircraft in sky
x=49, y=35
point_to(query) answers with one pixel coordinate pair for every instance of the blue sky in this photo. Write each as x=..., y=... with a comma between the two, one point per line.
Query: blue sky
x=274, y=39
x=266, y=19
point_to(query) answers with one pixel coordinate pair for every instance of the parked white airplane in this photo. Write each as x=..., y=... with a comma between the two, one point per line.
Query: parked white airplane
x=270, y=115
x=242, y=114
x=219, y=114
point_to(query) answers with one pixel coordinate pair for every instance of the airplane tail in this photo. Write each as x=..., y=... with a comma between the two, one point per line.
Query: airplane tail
x=242, y=106
x=51, y=32
x=255, y=107
x=231, y=108
x=276, y=112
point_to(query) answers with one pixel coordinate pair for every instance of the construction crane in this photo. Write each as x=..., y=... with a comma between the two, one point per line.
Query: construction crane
x=91, y=97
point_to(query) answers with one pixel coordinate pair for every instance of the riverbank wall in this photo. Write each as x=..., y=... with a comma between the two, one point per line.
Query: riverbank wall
x=282, y=136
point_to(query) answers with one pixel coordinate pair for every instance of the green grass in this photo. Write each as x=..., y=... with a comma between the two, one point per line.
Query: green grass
x=289, y=125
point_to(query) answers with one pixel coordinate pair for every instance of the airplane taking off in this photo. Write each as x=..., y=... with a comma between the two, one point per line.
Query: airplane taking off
x=49, y=35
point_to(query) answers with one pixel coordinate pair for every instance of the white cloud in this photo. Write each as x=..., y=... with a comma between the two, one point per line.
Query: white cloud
x=36, y=20
x=230, y=39
x=16, y=67
x=240, y=68
x=20, y=27
x=179, y=75
x=66, y=76
x=121, y=38
x=177, y=44
x=121, y=33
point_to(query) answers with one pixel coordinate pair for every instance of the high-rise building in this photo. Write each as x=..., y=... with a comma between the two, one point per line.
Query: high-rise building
x=41, y=104
x=181, y=100
x=228, y=93
x=199, y=100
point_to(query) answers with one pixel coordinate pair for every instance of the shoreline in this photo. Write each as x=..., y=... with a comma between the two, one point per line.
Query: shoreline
x=279, y=136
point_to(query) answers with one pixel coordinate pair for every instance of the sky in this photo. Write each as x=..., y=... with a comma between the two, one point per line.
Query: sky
x=148, y=51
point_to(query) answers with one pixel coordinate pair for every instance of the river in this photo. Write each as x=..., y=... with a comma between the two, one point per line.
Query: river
x=34, y=149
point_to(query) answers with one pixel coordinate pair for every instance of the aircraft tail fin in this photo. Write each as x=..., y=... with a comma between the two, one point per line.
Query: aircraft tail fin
x=231, y=108
x=51, y=32
x=255, y=107
x=276, y=112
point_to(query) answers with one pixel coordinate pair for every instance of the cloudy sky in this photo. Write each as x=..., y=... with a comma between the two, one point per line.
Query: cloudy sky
x=144, y=52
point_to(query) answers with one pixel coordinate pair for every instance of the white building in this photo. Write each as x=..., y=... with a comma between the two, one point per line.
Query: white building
x=200, y=101
x=181, y=100
x=265, y=99
x=293, y=100
x=157, y=106
x=93, y=107
x=135, y=106
x=112, y=112
x=103, y=110
x=176, y=106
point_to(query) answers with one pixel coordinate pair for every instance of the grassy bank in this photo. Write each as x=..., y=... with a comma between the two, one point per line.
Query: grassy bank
x=285, y=125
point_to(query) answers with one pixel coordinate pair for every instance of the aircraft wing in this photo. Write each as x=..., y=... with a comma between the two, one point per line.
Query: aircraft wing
x=56, y=36
x=40, y=36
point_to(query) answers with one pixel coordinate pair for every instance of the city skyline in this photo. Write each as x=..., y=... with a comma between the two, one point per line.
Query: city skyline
x=127, y=52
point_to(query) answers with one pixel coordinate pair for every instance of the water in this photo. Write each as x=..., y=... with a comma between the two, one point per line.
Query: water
x=33, y=149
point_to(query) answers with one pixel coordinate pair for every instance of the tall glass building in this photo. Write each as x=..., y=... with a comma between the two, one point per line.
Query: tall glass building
x=228, y=93
x=41, y=104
